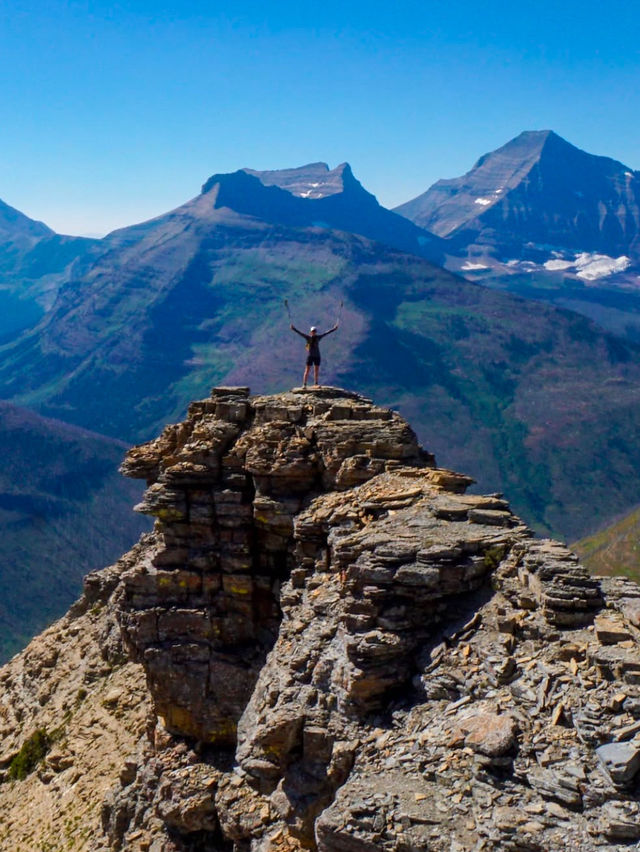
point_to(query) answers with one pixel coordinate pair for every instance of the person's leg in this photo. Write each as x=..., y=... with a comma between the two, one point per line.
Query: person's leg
x=316, y=373
x=306, y=375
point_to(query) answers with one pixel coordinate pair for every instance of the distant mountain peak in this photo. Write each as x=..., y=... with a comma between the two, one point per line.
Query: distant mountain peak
x=14, y=223
x=529, y=147
x=315, y=180
x=537, y=136
x=316, y=196
x=541, y=143
x=536, y=189
x=522, y=151
x=311, y=182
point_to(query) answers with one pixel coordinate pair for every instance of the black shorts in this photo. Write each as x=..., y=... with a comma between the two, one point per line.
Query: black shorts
x=313, y=360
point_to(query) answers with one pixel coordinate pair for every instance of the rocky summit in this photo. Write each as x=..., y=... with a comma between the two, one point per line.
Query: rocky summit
x=325, y=644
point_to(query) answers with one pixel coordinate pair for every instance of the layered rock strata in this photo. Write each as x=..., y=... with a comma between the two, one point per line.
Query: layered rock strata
x=203, y=608
x=346, y=652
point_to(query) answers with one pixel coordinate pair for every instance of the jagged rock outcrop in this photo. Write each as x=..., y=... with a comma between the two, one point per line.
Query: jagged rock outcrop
x=346, y=652
x=202, y=610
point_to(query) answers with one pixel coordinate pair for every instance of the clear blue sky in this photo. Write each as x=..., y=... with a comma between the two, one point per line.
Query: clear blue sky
x=114, y=112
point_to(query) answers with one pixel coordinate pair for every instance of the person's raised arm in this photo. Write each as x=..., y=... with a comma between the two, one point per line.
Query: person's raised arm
x=297, y=331
x=331, y=330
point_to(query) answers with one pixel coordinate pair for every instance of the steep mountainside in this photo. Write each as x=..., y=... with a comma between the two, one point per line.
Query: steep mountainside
x=543, y=219
x=64, y=510
x=344, y=652
x=33, y=263
x=614, y=550
x=315, y=195
x=18, y=234
x=612, y=302
x=72, y=696
x=537, y=189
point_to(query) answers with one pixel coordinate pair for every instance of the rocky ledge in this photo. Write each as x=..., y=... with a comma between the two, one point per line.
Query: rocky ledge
x=347, y=652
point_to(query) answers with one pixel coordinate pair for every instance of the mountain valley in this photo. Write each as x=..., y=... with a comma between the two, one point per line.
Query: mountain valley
x=524, y=397
x=64, y=511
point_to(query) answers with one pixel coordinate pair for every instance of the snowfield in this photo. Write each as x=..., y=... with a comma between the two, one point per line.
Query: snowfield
x=558, y=264
x=468, y=266
x=591, y=266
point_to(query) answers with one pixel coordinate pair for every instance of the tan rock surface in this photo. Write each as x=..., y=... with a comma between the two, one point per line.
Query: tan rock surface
x=73, y=682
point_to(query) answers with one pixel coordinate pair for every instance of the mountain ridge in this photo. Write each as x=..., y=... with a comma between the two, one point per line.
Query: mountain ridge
x=13, y=222
x=345, y=206
x=33, y=262
x=313, y=180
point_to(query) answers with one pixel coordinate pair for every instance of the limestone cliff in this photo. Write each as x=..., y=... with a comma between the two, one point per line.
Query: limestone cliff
x=343, y=652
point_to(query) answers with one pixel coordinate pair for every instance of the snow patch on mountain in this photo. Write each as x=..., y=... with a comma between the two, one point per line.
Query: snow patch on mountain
x=556, y=264
x=591, y=266
x=470, y=267
x=484, y=201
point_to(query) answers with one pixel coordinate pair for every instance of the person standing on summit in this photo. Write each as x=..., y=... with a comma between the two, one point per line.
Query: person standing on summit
x=313, y=350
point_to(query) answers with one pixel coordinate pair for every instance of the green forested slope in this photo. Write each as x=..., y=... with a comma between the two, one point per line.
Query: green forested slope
x=64, y=510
